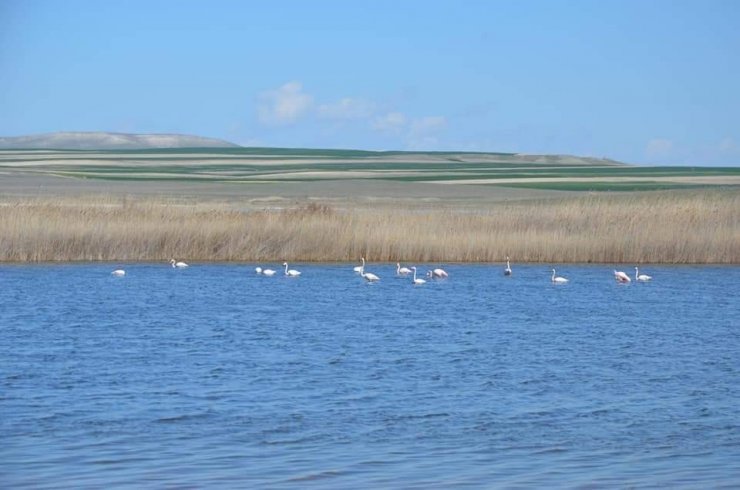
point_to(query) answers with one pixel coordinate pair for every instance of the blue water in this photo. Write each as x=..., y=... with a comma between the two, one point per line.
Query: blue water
x=214, y=376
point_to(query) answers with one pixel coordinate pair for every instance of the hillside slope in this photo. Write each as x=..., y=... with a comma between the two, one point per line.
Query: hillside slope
x=109, y=141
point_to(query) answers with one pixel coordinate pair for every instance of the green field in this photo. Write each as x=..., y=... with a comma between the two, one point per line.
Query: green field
x=260, y=204
x=272, y=165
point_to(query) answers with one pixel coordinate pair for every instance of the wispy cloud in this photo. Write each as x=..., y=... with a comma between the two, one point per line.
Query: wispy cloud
x=659, y=148
x=283, y=105
x=417, y=133
x=347, y=108
x=392, y=122
x=423, y=132
x=428, y=124
x=289, y=104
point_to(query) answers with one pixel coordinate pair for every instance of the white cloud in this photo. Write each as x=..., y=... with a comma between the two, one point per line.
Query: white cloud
x=393, y=122
x=422, y=132
x=417, y=134
x=289, y=103
x=659, y=147
x=727, y=145
x=284, y=105
x=347, y=108
x=428, y=124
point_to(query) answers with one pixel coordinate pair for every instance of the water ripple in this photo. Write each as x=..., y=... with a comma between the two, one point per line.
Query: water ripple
x=221, y=378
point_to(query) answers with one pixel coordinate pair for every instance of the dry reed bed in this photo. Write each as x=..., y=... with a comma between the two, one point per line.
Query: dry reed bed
x=698, y=227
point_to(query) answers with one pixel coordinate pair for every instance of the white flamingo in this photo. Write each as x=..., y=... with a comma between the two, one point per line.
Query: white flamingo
x=621, y=277
x=177, y=265
x=558, y=279
x=641, y=277
x=507, y=271
x=440, y=273
x=118, y=273
x=360, y=268
x=291, y=272
x=419, y=280
x=368, y=276
x=402, y=271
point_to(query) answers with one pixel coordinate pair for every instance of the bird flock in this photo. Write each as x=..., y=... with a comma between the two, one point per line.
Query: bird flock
x=174, y=263
x=437, y=273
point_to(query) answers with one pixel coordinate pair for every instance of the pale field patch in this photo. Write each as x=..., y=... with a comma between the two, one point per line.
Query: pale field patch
x=714, y=180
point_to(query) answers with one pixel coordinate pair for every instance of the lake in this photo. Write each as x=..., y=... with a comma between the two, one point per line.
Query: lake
x=213, y=376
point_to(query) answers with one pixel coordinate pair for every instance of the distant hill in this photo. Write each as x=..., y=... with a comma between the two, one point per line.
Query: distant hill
x=81, y=140
x=109, y=141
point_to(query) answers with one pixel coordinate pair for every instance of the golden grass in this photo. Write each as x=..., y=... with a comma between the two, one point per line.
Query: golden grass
x=696, y=227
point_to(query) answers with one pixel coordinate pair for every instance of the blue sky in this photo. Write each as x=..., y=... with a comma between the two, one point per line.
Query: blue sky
x=645, y=81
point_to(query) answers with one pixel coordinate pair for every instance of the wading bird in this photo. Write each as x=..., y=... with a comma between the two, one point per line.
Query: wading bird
x=359, y=268
x=438, y=273
x=558, y=279
x=419, y=280
x=621, y=277
x=641, y=277
x=368, y=276
x=291, y=272
x=402, y=271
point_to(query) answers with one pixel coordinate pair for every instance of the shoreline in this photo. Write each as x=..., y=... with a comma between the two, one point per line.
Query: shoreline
x=380, y=264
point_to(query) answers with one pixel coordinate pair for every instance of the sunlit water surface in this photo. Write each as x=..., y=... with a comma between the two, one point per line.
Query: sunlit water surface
x=214, y=376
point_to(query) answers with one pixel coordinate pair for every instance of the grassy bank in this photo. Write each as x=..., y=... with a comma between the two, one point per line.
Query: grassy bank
x=686, y=227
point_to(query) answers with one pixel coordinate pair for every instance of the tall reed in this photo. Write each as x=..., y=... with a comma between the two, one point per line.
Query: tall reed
x=696, y=227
